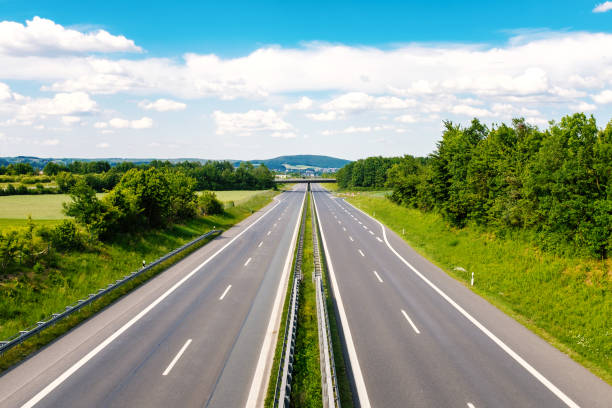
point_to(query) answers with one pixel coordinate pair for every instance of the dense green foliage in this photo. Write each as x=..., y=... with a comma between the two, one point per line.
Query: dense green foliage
x=101, y=176
x=209, y=204
x=556, y=183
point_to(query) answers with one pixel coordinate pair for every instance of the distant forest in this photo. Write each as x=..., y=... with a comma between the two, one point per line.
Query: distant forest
x=101, y=176
x=555, y=183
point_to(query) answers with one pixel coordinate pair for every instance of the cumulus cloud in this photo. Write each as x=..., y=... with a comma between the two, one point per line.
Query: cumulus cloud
x=120, y=123
x=70, y=120
x=41, y=36
x=357, y=101
x=583, y=107
x=102, y=145
x=324, y=116
x=162, y=105
x=100, y=125
x=50, y=142
x=249, y=122
x=603, y=7
x=603, y=97
x=284, y=135
x=304, y=103
x=407, y=118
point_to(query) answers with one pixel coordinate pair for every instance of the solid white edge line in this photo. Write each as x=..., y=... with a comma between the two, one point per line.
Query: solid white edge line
x=362, y=392
x=378, y=276
x=247, y=261
x=176, y=358
x=553, y=388
x=261, y=376
x=411, y=322
x=225, y=292
x=66, y=374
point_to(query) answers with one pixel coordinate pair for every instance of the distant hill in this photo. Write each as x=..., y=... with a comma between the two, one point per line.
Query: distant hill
x=281, y=163
x=302, y=161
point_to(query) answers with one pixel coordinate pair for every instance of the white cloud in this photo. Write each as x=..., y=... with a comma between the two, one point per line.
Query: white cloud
x=284, y=135
x=50, y=142
x=358, y=101
x=407, y=118
x=102, y=145
x=603, y=7
x=120, y=123
x=42, y=36
x=471, y=111
x=162, y=105
x=583, y=107
x=324, y=116
x=60, y=104
x=603, y=97
x=70, y=120
x=304, y=103
x=249, y=122
x=143, y=123
x=100, y=125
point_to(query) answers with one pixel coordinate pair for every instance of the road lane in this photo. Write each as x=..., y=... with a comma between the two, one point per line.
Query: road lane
x=450, y=362
x=219, y=307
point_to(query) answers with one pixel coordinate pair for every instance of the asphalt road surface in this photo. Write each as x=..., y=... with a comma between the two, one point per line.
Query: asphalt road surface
x=191, y=337
x=417, y=338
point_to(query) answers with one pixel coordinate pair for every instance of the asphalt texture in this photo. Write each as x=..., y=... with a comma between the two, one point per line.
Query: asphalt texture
x=414, y=347
x=190, y=337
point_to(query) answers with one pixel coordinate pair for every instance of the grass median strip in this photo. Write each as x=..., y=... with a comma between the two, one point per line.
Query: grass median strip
x=306, y=381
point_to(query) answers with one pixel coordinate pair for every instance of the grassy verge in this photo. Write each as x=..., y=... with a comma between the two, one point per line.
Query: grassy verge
x=565, y=300
x=32, y=296
x=306, y=381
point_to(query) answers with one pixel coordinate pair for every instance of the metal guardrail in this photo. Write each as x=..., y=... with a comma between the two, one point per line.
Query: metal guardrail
x=79, y=304
x=329, y=383
x=282, y=391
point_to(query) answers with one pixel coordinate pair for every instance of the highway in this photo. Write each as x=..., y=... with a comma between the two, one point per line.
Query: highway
x=417, y=338
x=199, y=334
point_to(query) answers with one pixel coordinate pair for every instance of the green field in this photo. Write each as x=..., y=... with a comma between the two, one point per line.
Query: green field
x=565, y=300
x=40, y=207
x=15, y=209
x=237, y=196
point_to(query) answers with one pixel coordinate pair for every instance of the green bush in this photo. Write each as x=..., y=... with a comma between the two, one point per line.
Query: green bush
x=209, y=204
x=66, y=236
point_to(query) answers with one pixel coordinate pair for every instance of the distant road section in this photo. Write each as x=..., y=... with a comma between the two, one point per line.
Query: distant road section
x=191, y=337
x=417, y=338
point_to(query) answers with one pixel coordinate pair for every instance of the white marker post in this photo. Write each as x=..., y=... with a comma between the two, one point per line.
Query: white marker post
x=472, y=279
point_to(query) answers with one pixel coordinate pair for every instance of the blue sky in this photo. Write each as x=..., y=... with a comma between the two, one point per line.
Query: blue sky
x=255, y=80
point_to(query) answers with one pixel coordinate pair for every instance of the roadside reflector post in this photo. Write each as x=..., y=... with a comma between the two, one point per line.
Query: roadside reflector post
x=472, y=282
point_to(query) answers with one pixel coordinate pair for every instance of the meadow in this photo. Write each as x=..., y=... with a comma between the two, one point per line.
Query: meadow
x=566, y=300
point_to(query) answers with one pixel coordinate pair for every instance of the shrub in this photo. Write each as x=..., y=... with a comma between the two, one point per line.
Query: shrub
x=209, y=204
x=66, y=236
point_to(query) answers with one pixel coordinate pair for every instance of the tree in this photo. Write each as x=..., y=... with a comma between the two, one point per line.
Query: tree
x=209, y=204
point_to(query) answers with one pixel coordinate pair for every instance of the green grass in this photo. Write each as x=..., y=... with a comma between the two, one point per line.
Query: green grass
x=565, y=300
x=27, y=296
x=237, y=196
x=281, y=333
x=306, y=381
x=40, y=207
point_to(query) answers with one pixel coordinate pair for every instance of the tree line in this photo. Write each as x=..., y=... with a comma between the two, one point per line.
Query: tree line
x=555, y=183
x=101, y=176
